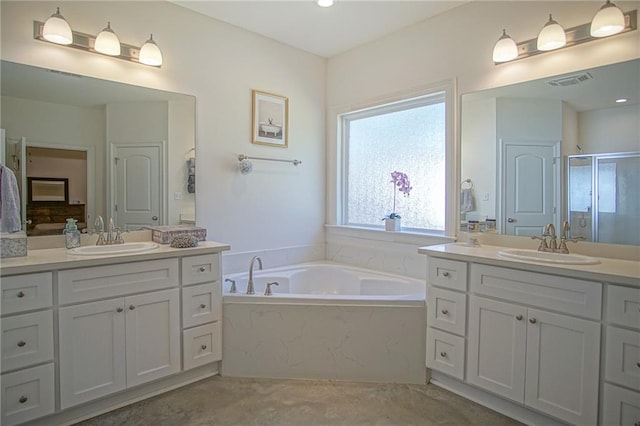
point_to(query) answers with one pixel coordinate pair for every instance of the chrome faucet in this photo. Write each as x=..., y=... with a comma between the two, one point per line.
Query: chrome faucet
x=113, y=235
x=565, y=237
x=550, y=231
x=552, y=245
x=99, y=229
x=250, y=289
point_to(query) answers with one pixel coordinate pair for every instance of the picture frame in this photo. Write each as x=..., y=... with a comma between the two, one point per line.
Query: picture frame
x=270, y=119
x=46, y=189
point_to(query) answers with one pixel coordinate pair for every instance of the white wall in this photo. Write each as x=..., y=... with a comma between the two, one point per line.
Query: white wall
x=614, y=129
x=277, y=206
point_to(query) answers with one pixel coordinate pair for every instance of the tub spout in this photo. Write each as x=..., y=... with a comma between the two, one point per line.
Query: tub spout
x=250, y=289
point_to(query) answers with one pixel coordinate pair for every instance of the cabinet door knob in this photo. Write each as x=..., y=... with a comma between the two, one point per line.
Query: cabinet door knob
x=443, y=354
x=21, y=343
x=444, y=312
x=202, y=269
x=533, y=320
x=519, y=317
x=445, y=274
x=203, y=347
x=23, y=399
x=131, y=307
x=203, y=306
x=20, y=294
x=120, y=309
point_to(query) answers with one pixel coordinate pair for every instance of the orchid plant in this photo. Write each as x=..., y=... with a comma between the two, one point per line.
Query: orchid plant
x=400, y=184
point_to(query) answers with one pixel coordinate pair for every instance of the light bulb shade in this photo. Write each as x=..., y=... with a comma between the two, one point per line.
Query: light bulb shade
x=150, y=53
x=608, y=21
x=57, y=30
x=552, y=36
x=505, y=49
x=107, y=42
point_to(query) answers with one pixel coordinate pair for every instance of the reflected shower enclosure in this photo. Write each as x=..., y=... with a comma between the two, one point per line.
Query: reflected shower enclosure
x=604, y=197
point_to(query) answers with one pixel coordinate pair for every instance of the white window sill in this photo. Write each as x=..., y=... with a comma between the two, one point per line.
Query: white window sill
x=403, y=237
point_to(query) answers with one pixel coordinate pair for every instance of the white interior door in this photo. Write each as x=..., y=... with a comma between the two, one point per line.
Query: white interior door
x=529, y=186
x=138, y=185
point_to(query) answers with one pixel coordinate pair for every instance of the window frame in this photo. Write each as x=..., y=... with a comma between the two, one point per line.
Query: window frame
x=439, y=92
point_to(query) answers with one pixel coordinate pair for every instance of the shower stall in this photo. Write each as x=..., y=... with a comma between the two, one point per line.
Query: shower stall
x=604, y=197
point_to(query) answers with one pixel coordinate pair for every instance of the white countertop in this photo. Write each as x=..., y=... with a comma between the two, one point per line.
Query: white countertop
x=45, y=260
x=608, y=270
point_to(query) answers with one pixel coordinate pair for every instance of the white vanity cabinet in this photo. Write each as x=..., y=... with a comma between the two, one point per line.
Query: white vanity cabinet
x=94, y=333
x=530, y=337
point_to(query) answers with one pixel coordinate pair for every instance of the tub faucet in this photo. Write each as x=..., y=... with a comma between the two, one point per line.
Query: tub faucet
x=250, y=289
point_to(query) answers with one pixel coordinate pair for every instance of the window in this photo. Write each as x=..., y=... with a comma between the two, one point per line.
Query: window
x=409, y=136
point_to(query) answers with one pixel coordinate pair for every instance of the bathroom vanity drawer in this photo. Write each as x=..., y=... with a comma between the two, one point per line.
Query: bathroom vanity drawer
x=27, y=394
x=621, y=406
x=447, y=273
x=623, y=357
x=27, y=339
x=445, y=353
x=200, y=269
x=565, y=295
x=201, y=304
x=623, y=306
x=79, y=285
x=447, y=310
x=22, y=293
x=202, y=345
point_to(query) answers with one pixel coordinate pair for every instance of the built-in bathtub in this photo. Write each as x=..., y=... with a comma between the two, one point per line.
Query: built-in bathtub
x=326, y=321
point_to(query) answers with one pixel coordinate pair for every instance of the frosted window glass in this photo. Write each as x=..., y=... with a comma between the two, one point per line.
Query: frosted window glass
x=580, y=189
x=410, y=141
x=607, y=188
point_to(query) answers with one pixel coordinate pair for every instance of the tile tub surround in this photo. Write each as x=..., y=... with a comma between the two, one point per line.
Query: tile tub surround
x=240, y=401
x=316, y=336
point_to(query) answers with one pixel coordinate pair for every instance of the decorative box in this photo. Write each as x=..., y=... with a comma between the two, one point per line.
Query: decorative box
x=13, y=244
x=164, y=234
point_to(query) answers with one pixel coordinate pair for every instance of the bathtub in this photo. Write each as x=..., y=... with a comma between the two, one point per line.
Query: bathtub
x=325, y=321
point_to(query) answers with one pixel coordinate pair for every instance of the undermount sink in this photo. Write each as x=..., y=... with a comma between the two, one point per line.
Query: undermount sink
x=126, y=248
x=547, y=257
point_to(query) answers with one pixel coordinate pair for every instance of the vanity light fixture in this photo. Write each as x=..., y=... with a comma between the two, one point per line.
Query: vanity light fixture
x=553, y=36
x=608, y=21
x=107, y=42
x=621, y=100
x=57, y=30
x=54, y=30
x=324, y=3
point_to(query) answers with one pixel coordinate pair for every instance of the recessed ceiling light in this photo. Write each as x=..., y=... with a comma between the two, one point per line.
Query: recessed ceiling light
x=324, y=3
x=621, y=100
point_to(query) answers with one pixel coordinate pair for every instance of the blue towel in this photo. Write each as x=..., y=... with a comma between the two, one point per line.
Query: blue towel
x=9, y=201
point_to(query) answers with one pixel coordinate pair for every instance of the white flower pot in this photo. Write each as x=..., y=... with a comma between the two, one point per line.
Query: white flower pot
x=391, y=224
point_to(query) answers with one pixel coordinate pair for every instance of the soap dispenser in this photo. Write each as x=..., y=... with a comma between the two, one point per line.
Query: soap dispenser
x=71, y=234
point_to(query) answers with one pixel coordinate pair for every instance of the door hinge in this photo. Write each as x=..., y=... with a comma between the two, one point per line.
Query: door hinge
x=116, y=159
x=115, y=207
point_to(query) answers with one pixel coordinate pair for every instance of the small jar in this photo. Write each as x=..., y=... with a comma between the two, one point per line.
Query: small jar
x=473, y=226
x=490, y=225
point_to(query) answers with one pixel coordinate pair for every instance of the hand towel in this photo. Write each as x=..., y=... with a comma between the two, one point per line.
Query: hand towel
x=466, y=200
x=9, y=201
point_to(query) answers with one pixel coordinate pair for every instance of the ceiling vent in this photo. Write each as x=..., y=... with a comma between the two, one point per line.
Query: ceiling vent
x=570, y=80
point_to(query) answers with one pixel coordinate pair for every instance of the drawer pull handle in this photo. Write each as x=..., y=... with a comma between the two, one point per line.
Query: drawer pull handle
x=443, y=354
x=120, y=309
x=445, y=312
x=202, y=269
x=23, y=399
x=203, y=306
x=533, y=320
x=21, y=294
x=445, y=274
x=21, y=343
x=203, y=347
x=519, y=317
x=131, y=307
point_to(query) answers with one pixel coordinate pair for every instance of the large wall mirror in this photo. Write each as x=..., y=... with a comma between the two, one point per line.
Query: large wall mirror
x=127, y=152
x=555, y=149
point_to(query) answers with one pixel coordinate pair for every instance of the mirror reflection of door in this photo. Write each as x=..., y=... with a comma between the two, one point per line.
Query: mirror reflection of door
x=138, y=186
x=529, y=182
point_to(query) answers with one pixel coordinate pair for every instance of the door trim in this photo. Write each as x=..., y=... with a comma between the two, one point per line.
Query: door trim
x=164, y=178
x=558, y=170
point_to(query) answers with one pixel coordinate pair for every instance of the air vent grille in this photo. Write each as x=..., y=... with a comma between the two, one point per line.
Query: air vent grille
x=570, y=80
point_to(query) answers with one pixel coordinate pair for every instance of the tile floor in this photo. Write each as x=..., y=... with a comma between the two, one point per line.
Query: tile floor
x=240, y=401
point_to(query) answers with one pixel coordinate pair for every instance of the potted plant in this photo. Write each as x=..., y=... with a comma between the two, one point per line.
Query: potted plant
x=400, y=184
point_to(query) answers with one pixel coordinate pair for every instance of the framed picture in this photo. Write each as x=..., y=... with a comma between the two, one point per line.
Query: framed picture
x=48, y=189
x=270, y=119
